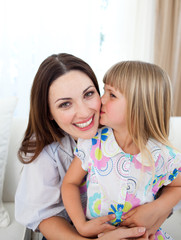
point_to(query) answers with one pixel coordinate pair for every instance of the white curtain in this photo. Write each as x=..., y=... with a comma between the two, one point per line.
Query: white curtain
x=128, y=30
x=101, y=32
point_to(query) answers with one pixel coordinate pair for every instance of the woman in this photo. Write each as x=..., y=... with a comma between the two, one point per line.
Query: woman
x=64, y=105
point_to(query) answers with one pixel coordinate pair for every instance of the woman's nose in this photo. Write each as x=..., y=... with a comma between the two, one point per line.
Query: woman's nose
x=82, y=110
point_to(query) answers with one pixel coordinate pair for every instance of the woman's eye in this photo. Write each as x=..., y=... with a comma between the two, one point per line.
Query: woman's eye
x=65, y=105
x=89, y=94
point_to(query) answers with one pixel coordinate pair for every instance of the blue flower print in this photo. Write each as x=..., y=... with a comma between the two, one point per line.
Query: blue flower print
x=173, y=175
x=117, y=210
x=157, y=178
x=94, y=139
x=103, y=136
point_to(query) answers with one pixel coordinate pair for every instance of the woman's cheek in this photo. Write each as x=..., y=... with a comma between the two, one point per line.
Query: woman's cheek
x=98, y=104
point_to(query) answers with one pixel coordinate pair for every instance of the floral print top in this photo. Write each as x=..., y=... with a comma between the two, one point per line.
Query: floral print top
x=117, y=181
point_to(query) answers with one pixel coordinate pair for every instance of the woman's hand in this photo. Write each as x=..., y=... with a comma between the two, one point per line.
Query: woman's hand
x=122, y=233
x=146, y=216
x=143, y=215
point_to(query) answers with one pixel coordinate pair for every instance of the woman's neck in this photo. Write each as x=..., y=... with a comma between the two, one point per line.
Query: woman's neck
x=125, y=142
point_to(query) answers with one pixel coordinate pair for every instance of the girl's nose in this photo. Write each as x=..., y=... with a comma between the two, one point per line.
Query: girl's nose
x=103, y=99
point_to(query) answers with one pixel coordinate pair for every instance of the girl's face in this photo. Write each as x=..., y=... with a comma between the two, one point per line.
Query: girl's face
x=113, y=110
x=75, y=104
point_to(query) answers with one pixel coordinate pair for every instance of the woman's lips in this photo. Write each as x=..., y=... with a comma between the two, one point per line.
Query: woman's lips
x=85, y=125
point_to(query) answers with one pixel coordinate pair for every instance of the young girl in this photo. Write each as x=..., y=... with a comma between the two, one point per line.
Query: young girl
x=131, y=158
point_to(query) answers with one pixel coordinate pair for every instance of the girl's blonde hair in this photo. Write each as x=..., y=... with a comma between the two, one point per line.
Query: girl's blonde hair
x=147, y=89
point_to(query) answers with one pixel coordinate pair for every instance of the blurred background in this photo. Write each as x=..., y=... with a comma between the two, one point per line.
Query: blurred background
x=101, y=32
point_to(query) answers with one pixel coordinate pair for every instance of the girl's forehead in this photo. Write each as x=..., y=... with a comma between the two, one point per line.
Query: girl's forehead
x=109, y=87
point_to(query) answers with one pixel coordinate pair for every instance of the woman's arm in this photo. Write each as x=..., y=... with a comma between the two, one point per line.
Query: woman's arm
x=121, y=233
x=57, y=228
x=72, y=203
x=145, y=215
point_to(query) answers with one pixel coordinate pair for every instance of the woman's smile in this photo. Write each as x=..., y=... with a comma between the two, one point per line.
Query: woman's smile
x=85, y=124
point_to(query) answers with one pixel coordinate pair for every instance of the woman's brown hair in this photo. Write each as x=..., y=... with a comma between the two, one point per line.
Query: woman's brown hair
x=41, y=130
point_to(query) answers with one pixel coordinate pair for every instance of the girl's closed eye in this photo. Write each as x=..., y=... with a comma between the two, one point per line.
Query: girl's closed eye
x=112, y=95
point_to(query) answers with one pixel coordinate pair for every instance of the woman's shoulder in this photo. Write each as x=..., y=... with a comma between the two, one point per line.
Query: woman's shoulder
x=51, y=159
x=64, y=147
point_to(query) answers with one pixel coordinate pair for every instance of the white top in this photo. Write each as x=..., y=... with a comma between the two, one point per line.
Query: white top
x=38, y=194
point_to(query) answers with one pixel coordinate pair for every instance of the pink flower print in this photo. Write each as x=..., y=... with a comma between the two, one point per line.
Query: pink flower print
x=100, y=161
x=139, y=165
x=161, y=235
x=131, y=202
x=89, y=170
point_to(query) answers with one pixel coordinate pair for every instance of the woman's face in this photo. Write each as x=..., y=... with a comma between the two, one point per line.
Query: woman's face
x=75, y=104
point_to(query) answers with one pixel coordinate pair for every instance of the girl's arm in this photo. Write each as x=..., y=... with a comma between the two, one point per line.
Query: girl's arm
x=146, y=215
x=72, y=203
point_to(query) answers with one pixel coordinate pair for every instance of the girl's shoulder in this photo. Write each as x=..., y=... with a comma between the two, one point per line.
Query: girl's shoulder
x=165, y=151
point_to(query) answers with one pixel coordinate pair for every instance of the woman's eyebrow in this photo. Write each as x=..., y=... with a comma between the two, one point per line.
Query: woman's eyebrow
x=88, y=88
x=62, y=99
x=68, y=98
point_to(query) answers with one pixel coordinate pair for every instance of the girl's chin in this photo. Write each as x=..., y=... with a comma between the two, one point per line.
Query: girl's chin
x=102, y=122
